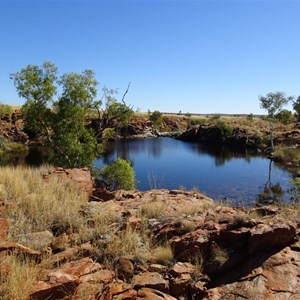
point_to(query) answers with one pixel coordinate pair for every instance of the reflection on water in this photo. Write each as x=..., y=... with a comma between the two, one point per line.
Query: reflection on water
x=221, y=173
x=33, y=156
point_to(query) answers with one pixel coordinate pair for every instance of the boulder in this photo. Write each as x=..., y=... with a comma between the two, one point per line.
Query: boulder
x=225, y=245
x=117, y=291
x=36, y=240
x=15, y=248
x=82, y=178
x=152, y=294
x=58, y=286
x=124, y=268
x=152, y=280
x=277, y=279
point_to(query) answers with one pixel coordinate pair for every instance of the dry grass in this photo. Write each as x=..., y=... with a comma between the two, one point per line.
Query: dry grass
x=219, y=255
x=131, y=243
x=162, y=254
x=18, y=281
x=291, y=155
x=35, y=204
x=154, y=208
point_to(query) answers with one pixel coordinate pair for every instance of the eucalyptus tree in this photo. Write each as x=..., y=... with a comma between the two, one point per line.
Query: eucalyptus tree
x=59, y=122
x=273, y=103
x=296, y=106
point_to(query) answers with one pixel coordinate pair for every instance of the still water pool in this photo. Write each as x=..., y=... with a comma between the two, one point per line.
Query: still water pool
x=222, y=174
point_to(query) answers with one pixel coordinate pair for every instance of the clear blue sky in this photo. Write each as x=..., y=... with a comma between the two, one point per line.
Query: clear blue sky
x=193, y=56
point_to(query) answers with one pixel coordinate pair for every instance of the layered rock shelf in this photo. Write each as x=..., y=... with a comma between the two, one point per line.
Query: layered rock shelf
x=217, y=252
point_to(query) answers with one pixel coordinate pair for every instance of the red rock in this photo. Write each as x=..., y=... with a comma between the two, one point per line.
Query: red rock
x=276, y=279
x=59, y=286
x=62, y=257
x=152, y=294
x=181, y=268
x=4, y=226
x=81, y=267
x=102, y=195
x=87, y=291
x=117, y=291
x=13, y=247
x=158, y=268
x=134, y=222
x=124, y=268
x=82, y=177
x=152, y=280
x=181, y=285
x=102, y=276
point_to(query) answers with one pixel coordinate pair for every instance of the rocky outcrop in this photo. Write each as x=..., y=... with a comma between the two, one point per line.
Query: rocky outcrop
x=213, y=134
x=218, y=252
x=81, y=177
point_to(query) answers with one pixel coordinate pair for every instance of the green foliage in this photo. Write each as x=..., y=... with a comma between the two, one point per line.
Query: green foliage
x=156, y=118
x=5, y=110
x=291, y=155
x=119, y=175
x=295, y=190
x=214, y=118
x=250, y=117
x=198, y=121
x=113, y=112
x=296, y=106
x=108, y=134
x=285, y=117
x=36, y=85
x=62, y=126
x=225, y=129
x=273, y=103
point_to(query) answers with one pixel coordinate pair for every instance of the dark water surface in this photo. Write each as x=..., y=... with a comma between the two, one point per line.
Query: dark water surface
x=219, y=173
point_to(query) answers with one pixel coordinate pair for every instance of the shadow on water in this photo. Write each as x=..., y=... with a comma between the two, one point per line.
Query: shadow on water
x=33, y=156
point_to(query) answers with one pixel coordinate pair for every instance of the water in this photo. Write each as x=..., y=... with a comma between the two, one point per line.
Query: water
x=234, y=176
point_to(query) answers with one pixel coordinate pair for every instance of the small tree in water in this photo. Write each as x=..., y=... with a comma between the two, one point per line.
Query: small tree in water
x=273, y=103
x=119, y=175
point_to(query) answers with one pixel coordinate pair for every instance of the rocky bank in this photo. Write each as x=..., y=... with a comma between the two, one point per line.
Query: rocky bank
x=218, y=252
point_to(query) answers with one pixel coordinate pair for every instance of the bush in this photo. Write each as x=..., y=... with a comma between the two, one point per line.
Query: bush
x=156, y=118
x=224, y=128
x=291, y=155
x=285, y=117
x=194, y=122
x=119, y=175
x=5, y=110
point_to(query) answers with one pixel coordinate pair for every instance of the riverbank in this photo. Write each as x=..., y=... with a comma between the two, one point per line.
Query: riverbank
x=62, y=238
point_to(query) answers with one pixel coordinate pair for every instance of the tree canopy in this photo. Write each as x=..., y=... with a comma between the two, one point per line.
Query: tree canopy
x=273, y=103
x=59, y=119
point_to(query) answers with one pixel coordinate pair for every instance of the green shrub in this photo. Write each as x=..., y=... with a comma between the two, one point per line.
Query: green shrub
x=285, y=117
x=224, y=128
x=287, y=155
x=156, y=118
x=295, y=190
x=119, y=175
x=5, y=110
x=194, y=122
x=250, y=117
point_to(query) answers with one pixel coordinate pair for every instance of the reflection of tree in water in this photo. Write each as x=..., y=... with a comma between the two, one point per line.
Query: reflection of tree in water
x=271, y=193
x=126, y=149
x=114, y=150
x=155, y=149
x=34, y=156
x=223, y=154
